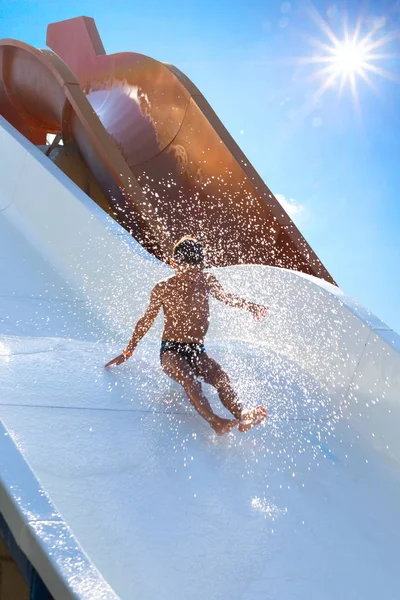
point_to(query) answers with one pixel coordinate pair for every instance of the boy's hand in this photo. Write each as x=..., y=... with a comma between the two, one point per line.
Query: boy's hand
x=118, y=360
x=259, y=311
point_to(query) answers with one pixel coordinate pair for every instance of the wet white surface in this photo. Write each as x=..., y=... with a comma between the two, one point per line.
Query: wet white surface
x=142, y=480
x=116, y=470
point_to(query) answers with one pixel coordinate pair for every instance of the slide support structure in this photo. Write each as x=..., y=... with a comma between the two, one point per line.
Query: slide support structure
x=37, y=589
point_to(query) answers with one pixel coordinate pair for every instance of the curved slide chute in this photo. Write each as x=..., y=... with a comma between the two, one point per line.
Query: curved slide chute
x=194, y=175
x=113, y=487
x=40, y=95
x=110, y=484
x=164, y=161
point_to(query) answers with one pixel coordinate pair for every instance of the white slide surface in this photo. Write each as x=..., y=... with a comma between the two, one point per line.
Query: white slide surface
x=115, y=488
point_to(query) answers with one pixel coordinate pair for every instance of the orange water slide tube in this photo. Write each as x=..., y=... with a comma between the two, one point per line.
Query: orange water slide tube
x=40, y=95
x=163, y=159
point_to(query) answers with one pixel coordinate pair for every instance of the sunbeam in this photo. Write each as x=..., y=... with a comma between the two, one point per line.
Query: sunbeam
x=344, y=61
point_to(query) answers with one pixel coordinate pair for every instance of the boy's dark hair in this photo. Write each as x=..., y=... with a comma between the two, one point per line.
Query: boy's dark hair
x=188, y=250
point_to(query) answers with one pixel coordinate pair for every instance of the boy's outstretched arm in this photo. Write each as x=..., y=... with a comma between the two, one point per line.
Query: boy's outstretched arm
x=217, y=291
x=143, y=325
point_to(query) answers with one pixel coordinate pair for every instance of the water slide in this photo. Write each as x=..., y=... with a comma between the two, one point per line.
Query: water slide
x=163, y=161
x=110, y=485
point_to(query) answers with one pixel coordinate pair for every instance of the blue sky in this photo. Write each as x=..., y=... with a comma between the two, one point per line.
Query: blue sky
x=337, y=166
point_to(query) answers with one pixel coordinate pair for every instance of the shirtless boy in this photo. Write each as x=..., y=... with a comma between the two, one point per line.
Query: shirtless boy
x=184, y=298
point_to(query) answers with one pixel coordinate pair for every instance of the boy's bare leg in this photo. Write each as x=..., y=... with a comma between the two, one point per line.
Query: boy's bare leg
x=213, y=373
x=178, y=369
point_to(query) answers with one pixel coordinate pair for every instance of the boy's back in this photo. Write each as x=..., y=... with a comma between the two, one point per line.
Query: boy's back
x=185, y=302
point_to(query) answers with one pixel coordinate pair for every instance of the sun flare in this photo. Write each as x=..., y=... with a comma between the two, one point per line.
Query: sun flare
x=352, y=58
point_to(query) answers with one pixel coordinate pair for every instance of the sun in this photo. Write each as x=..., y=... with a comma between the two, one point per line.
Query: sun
x=349, y=57
x=352, y=58
x=345, y=60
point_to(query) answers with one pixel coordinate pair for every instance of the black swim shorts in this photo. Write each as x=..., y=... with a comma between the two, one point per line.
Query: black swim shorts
x=188, y=350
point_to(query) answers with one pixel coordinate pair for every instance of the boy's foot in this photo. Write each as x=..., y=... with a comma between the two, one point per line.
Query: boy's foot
x=252, y=417
x=223, y=426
